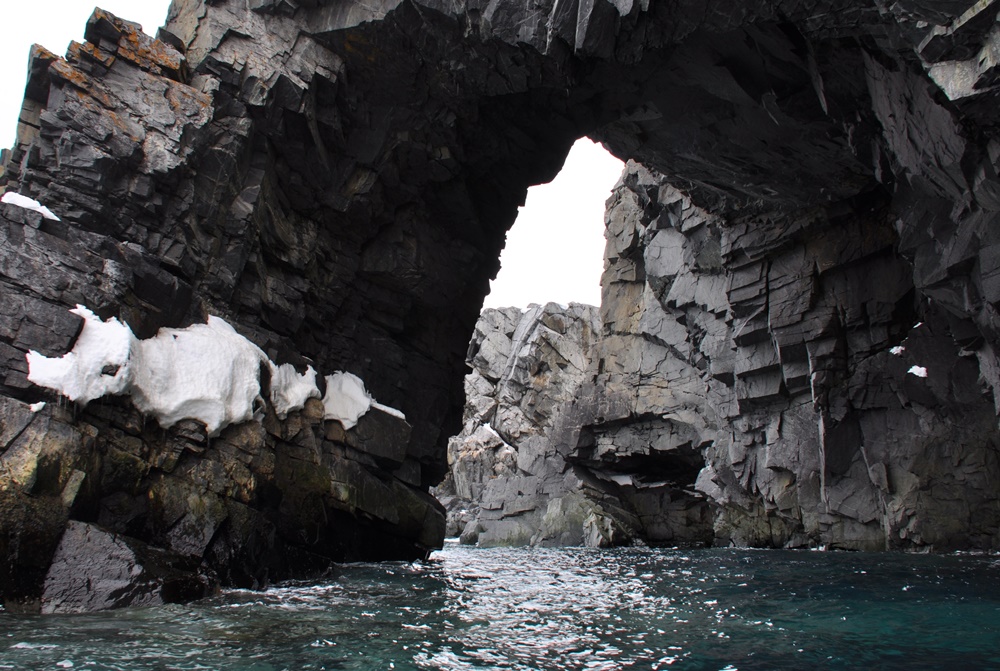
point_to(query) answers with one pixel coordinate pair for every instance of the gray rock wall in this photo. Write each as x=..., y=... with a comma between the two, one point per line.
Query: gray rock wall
x=742, y=385
x=830, y=399
x=535, y=465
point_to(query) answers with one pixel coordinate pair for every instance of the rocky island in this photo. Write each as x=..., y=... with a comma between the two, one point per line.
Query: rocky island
x=796, y=346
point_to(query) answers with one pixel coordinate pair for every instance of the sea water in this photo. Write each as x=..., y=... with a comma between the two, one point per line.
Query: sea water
x=631, y=608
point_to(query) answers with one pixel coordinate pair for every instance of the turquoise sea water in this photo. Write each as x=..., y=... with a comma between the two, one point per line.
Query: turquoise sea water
x=633, y=608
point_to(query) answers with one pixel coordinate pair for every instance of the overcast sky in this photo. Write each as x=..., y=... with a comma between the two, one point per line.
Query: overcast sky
x=554, y=251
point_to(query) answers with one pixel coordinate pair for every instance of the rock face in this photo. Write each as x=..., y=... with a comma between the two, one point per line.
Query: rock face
x=834, y=405
x=533, y=465
x=128, y=574
x=334, y=180
x=738, y=387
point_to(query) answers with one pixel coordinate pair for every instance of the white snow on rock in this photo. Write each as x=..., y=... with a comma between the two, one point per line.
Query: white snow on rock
x=207, y=372
x=289, y=390
x=37, y=407
x=897, y=350
x=346, y=399
x=389, y=410
x=919, y=371
x=97, y=365
x=18, y=200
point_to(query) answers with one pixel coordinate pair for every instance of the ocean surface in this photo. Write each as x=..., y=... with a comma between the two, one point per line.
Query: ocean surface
x=634, y=608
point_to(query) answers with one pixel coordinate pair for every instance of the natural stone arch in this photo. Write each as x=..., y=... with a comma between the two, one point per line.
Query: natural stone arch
x=336, y=180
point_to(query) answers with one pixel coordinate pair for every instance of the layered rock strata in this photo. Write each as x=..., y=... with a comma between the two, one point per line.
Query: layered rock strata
x=334, y=180
x=776, y=382
x=834, y=403
x=533, y=466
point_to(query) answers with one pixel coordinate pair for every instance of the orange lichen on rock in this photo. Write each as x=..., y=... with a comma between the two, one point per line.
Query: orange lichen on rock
x=135, y=46
x=38, y=51
x=61, y=69
x=186, y=100
x=79, y=52
x=150, y=54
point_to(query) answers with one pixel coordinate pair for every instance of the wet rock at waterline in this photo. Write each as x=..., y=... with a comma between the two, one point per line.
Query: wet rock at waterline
x=810, y=182
x=120, y=572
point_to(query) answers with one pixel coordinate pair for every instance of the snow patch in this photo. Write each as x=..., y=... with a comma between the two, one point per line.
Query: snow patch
x=346, y=399
x=96, y=366
x=17, y=200
x=207, y=372
x=290, y=390
x=37, y=407
x=919, y=371
x=897, y=350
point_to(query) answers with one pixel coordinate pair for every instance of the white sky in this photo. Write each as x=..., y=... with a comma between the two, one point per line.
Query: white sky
x=554, y=251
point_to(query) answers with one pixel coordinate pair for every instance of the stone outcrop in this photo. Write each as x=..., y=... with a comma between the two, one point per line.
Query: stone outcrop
x=334, y=180
x=128, y=573
x=533, y=466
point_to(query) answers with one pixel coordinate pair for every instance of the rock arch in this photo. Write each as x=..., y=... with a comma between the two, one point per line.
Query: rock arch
x=335, y=179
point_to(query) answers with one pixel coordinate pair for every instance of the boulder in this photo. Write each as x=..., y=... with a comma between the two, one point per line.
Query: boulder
x=96, y=570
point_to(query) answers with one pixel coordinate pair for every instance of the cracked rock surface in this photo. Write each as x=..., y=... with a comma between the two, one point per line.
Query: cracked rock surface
x=546, y=458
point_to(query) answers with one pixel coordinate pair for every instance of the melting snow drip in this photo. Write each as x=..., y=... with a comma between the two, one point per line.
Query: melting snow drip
x=207, y=372
x=17, y=200
x=919, y=371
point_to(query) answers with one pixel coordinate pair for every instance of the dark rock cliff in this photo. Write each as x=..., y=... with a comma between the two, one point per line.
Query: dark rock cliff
x=335, y=180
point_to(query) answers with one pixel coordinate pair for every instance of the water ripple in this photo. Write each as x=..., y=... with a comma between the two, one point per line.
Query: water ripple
x=540, y=609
